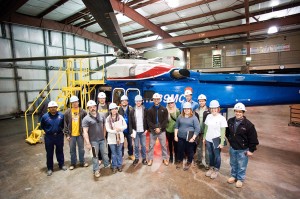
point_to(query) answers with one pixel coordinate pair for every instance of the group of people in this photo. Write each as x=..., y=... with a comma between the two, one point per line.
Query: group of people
x=194, y=129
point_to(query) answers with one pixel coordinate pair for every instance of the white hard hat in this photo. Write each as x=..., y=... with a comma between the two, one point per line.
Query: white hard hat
x=112, y=106
x=138, y=98
x=156, y=96
x=239, y=106
x=187, y=105
x=74, y=99
x=101, y=95
x=201, y=97
x=188, y=92
x=124, y=97
x=170, y=100
x=214, y=104
x=91, y=103
x=52, y=104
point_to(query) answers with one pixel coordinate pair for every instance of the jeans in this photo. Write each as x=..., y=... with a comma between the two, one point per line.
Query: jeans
x=58, y=142
x=185, y=147
x=214, y=155
x=140, y=139
x=129, y=144
x=80, y=144
x=162, y=140
x=172, y=143
x=100, y=145
x=238, y=163
x=200, y=150
x=116, y=155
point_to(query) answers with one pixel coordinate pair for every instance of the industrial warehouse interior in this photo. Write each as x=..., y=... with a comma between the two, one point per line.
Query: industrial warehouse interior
x=233, y=51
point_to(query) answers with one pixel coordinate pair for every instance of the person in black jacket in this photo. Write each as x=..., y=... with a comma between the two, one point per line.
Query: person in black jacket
x=242, y=137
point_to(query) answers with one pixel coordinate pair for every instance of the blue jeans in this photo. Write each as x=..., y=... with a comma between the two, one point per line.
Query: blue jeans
x=80, y=144
x=129, y=144
x=116, y=155
x=214, y=155
x=100, y=145
x=140, y=139
x=185, y=147
x=238, y=163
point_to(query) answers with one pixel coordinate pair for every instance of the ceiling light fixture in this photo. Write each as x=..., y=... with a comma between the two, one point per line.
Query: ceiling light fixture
x=272, y=30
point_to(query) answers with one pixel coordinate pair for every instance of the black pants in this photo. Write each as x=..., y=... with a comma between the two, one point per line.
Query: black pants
x=185, y=147
x=52, y=141
x=172, y=143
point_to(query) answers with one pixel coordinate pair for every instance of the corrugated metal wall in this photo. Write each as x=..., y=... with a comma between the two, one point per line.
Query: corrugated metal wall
x=20, y=82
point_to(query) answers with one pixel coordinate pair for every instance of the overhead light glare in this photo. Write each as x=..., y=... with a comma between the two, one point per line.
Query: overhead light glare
x=272, y=30
x=206, y=41
x=159, y=46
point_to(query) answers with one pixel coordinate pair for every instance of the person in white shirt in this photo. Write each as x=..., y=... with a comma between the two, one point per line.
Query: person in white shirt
x=115, y=125
x=214, y=137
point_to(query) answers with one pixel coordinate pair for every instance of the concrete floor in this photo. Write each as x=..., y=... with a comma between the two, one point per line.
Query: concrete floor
x=273, y=171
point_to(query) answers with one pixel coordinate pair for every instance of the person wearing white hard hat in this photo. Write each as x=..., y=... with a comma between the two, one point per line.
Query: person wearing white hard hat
x=242, y=136
x=202, y=112
x=124, y=111
x=187, y=128
x=138, y=129
x=115, y=125
x=157, y=119
x=188, y=94
x=53, y=124
x=173, y=113
x=214, y=137
x=94, y=136
x=73, y=130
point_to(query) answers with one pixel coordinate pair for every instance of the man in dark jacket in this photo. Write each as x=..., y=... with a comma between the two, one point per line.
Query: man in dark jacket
x=242, y=137
x=73, y=130
x=157, y=119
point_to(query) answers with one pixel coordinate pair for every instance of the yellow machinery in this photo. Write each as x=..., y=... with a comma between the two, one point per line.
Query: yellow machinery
x=69, y=81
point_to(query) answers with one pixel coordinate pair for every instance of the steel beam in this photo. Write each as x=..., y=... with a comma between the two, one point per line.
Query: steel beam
x=51, y=8
x=9, y=7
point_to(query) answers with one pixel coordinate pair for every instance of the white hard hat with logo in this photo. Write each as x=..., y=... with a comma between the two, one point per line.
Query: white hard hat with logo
x=239, y=106
x=124, y=97
x=188, y=92
x=74, y=99
x=52, y=104
x=170, y=100
x=138, y=98
x=112, y=106
x=201, y=97
x=156, y=96
x=91, y=103
x=101, y=95
x=214, y=104
x=187, y=105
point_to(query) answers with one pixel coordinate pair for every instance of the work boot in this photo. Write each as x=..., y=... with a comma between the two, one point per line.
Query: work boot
x=238, y=184
x=150, y=162
x=49, y=172
x=214, y=174
x=166, y=162
x=144, y=161
x=135, y=162
x=97, y=174
x=131, y=157
x=187, y=166
x=72, y=167
x=231, y=180
x=84, y=164
x=209, y=172
x=64, y=168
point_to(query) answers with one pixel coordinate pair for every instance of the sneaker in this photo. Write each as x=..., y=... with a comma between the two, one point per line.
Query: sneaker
x=214, y=174
x=238, y=184
x=120, y=169
x=135, y=162
x=64, y=168
x=209, y=172
x=131, y=157
x=49, y=172
x=107, y=166
x=231, y=180
x=144, y=161
x=84, y=164
x=187, y=166
x=114, y=170
x=71, y=167
x=178, y=165
x=150, y=162
x=97, y=174
x=166, y=162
